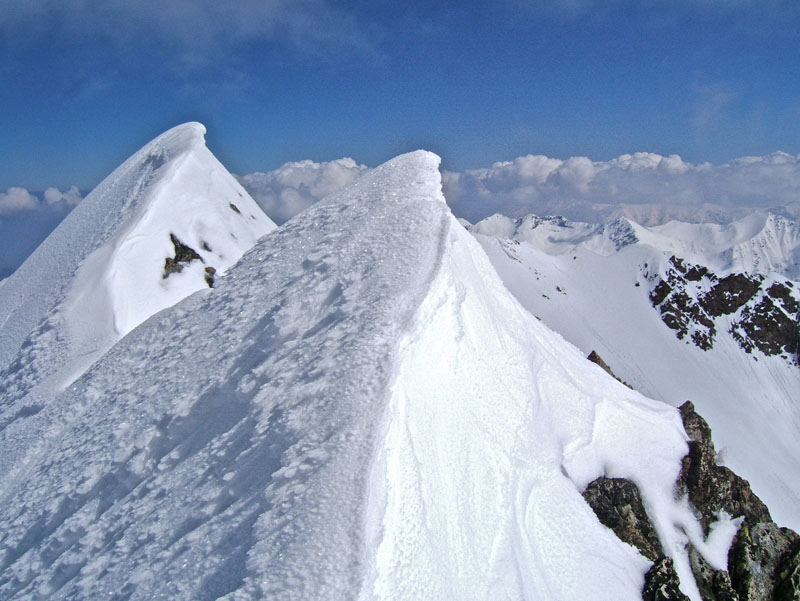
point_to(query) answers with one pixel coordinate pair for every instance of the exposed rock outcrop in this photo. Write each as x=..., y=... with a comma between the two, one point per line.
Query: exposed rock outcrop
x=762, y=556
x=714, y=585
x=595, y=358
x=183, y=255
x=618, y=506
x=713, y=488
x=764, y=314
x=764, y=559
x=661, y=582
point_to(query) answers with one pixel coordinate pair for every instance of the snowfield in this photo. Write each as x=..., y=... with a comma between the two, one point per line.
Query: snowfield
x=760, y=243
x=358, y=409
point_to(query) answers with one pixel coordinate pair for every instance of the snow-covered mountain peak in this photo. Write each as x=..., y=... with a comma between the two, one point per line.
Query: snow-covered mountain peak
x=165, y=224
x=557, y=235
x=621, y=232
x=358, y=410
x=677, y=328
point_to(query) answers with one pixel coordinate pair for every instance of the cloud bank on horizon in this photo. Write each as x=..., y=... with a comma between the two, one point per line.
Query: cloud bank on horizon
x=294, y=186
x=17, y=200
x=26, y=218
x=646, y=187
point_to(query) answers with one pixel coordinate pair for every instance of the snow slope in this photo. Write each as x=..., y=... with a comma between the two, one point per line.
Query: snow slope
x=359, y=410
x=759, y=243
x=602, y=303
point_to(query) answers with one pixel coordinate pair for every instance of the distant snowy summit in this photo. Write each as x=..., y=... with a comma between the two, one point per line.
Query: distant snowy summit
x=680, y=311
x=741, y=272
x=165, y=224
x=760, y=243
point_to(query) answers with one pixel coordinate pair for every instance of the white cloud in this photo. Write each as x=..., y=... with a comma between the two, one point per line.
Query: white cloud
x=647, y=187
x=16, y=200
x=644, y=186
x=292, y=187
x=68, y=198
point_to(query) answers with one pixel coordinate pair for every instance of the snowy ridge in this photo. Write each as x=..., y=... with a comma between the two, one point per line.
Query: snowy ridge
x=119, y=237
x=487, y=400
x=106, y=260
x=328, y=422
x=242, y=419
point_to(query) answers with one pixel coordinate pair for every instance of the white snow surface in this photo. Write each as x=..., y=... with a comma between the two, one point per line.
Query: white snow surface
x=601, y=303
x=359, y=410
x=102, y=268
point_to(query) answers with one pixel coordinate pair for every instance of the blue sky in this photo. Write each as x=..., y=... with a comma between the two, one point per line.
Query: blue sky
x=84, y=83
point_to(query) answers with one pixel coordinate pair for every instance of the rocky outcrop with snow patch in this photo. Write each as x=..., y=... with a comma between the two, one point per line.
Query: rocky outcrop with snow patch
x=759, y=313
x=603, y=303
x=760, y=562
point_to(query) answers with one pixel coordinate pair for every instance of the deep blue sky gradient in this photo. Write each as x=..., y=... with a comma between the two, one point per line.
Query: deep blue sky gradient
x=476, y=82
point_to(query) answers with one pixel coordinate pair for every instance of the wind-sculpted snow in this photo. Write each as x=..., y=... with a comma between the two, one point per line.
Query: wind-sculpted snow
x=107, y=258
x=495, y=427
x=226, y=444
x=359, y=410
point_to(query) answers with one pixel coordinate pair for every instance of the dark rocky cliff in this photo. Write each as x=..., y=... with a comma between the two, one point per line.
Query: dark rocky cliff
x=764, y=559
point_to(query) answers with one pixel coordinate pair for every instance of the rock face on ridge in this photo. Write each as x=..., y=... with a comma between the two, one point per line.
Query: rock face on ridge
x=763, y=556
x=750, y=398
x=763, y=560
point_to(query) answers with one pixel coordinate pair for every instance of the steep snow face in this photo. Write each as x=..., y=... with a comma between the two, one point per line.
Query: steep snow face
x=495, y=426
x=759, y=243
x=604, y=303
x=112, y=263
x=358, y=411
